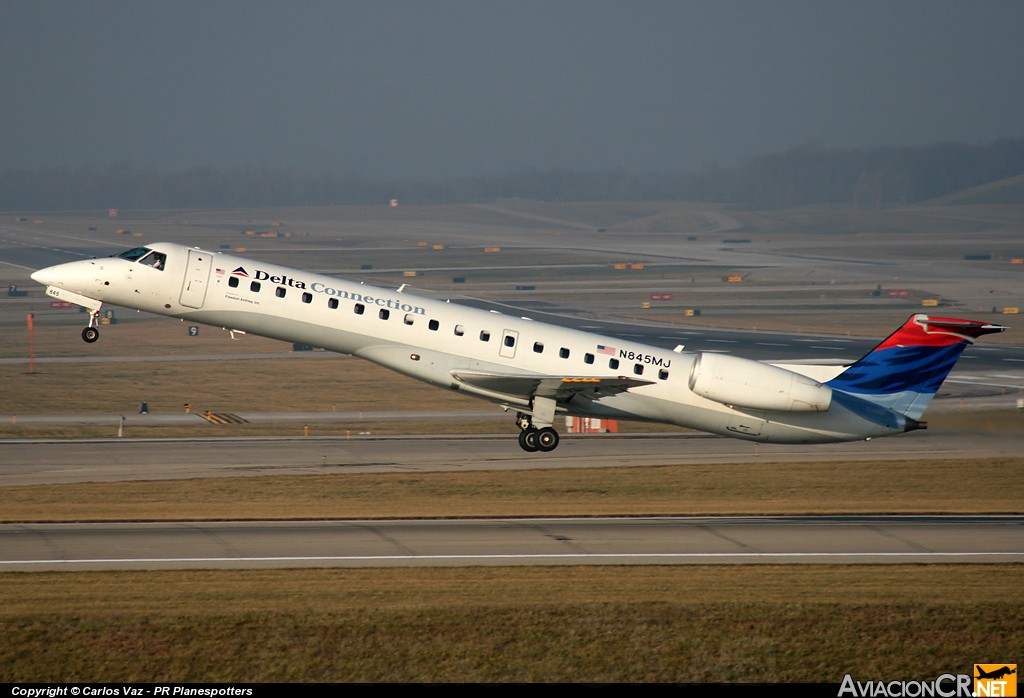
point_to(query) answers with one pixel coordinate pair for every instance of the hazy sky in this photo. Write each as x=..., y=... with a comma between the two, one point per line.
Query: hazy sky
x=442, y=88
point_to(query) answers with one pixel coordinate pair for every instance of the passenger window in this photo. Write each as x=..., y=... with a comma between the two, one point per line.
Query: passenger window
x=613, y=363
x=307, y=297
x=233, y=282
x=434, y=325
x=663, y=374
x=254, y=287
x=359, y=309
x=564, y=353
x=280, y=291
x=588, y=358
x=638, y=369
x=459, y=330
x=538, y=347
x=485, y=336
x=332, y=303
x=510, y=341
x=409, y=318
x=384, y=314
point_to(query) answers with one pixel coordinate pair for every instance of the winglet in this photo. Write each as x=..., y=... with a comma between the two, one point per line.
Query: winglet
x=923, y=330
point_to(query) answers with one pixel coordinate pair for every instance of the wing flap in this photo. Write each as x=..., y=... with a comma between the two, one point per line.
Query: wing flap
x=555, y=387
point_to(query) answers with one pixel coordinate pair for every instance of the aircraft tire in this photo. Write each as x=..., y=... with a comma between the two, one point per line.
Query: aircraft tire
x=547, y=439
x=528, y=440
x=90, y=334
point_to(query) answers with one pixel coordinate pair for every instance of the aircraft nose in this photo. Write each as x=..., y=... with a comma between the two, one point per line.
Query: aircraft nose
x=46, y=276
x=64, y=275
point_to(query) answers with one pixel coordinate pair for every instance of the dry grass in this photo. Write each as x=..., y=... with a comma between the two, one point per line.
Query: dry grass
x=943, y=486
x=608, y=624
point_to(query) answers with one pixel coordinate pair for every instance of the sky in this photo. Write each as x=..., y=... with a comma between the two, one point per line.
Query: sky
x=435, y=89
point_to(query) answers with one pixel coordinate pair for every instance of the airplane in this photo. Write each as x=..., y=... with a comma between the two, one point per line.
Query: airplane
x=995, y=674
x=532, y=368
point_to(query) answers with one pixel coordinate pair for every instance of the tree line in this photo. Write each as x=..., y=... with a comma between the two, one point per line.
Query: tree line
x=806, y=175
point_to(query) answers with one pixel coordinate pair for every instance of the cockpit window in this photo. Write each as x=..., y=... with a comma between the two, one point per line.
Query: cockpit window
x=155, y=260
x=144, y=255
x=134, y=254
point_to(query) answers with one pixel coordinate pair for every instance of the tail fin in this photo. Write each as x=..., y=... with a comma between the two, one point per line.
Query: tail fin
x=904, y=372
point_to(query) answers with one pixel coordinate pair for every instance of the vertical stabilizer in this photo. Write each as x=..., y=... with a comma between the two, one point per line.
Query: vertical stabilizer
x=905, y=370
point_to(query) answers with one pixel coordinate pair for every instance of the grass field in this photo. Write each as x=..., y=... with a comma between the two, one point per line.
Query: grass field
x=589, y=624
x=891, y=487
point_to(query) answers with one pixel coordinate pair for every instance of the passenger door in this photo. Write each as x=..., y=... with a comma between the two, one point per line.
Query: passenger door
x=197, y=276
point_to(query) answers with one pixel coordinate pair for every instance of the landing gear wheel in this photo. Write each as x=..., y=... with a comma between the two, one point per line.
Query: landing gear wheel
x=547, y=439
x=90, y=334
x=528, y=440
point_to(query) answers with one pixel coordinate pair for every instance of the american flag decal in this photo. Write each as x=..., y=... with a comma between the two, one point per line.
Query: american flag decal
x=605, y=349
x=219, y=270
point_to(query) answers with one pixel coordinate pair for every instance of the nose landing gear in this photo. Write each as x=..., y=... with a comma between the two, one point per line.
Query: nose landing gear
x=90, y=334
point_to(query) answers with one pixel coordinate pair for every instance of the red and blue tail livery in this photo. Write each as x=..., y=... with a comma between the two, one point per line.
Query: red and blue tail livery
x=904, y=372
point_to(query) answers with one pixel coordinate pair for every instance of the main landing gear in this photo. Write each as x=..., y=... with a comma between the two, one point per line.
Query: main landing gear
x=533, y=439
x=90, y=334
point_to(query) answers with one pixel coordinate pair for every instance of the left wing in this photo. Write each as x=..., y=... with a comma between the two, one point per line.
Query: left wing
x=527, y=386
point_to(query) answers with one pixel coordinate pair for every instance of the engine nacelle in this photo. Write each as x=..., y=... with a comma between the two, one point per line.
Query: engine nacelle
x=755, y=385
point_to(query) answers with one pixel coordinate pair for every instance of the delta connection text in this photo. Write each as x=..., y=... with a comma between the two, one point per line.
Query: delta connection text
x=129, y=690
x=320, y=287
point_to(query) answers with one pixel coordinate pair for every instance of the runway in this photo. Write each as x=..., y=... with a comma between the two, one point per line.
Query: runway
x=110, y=460
x=624, y=541
x=393, y=543
x=466, y=542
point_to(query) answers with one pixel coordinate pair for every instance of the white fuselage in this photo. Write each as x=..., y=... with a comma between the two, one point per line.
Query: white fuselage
x=434, y=340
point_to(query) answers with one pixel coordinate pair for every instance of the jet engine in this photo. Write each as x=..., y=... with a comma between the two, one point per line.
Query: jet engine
x=754, y=385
